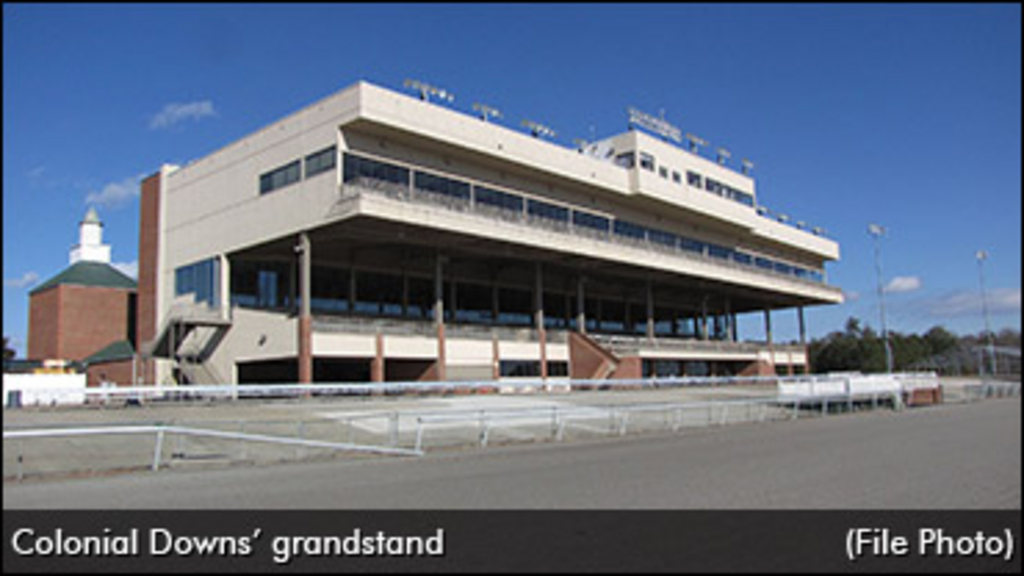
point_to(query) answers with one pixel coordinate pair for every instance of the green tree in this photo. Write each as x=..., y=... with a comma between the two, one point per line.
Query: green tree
x=9, y=353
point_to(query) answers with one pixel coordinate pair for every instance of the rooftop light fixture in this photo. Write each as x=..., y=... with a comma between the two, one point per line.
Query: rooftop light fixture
x=426, y=90
x=748, y=166
x=538, y=130
x=695, y=142
x=486, y=111
x=723, y=155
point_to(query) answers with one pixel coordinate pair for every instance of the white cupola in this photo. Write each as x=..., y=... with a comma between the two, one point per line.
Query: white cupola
x=90, y=246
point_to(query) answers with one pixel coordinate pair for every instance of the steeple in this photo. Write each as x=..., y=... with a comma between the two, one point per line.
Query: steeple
x=90, y=241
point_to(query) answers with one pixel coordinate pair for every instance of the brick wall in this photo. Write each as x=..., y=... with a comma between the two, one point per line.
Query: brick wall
x=149, y=237
x=44, y=324
x=91, y=318
x=118, y=371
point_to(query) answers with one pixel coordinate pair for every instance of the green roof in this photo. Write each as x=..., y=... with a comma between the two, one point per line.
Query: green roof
x=120, y=350
x=84, y=273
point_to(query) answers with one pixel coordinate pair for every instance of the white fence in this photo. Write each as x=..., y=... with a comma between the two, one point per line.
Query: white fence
x=43, y=389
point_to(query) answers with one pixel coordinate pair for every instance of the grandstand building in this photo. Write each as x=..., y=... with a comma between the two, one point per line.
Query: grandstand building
x=376, y=236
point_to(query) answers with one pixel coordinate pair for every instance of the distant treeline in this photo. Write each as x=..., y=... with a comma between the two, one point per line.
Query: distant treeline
x=862, y=349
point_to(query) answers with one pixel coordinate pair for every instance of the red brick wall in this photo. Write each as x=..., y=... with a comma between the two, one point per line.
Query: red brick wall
x=149, y=237
x=44, y=324
x=91, y=318
x=119, y=371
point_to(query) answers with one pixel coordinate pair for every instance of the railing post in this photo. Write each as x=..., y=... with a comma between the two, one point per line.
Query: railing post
x=483, y=429
x=419, y=434
x=724, y=415
x=824, y=406
x=158, y=448
x=393, y=429
x=21, y=461
x=560, y=427
x=623, y=423
x=796, y=408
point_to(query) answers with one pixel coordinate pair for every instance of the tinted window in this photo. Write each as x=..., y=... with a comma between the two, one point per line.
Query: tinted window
x=499, y=199
x=321, y=161
x=550, y=211
x=588, y=220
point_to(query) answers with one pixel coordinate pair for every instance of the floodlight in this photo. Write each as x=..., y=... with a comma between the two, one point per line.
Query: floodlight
x=537, y=130
x=723, y=155
x=762, y=210
x=580, y=143
x=695, y=142
x=981, y=255
x=818, y=230
x=747, y=166
x=876, y=230
x=486, y=111
x=426, y=90
x=783, y=218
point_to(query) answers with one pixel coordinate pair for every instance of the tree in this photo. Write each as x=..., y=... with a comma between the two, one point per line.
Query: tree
x=9, y=353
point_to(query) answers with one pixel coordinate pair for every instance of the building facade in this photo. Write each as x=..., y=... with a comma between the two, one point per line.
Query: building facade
x=86, y=308
x=374, y=236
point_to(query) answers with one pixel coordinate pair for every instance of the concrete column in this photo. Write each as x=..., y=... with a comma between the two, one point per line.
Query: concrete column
x=730, y=333
x=803, y=340
x=439, y=315
x=225, y=286
x=581, y=316
x=352, y=289
x=496, y=358
x=293, y=300
x=305, y=335
x=405, y=294
x=377, y=364
x=768, y=335
x=538, y=318
x=650, y=311
x=495, y=305
x=704, y=318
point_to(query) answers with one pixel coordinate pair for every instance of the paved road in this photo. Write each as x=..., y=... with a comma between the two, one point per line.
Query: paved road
x=945, y=457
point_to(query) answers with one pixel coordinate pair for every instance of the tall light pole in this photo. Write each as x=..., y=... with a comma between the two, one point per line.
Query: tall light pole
x=982, y=255
x=877, y=232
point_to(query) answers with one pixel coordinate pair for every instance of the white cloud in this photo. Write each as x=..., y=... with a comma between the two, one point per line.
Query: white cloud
x=25, y=281
x=37, y=172
x=128, y=268
x=903, y=284
x=115, y=194
x=176, y=112
x=999, y=301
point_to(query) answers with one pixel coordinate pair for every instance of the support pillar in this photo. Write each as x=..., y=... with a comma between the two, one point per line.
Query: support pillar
x=405, y=294
x=768, y=336
x=305, y=318
x=377, y=365
x=439, y=315
x=704, y=318
x=730, y=322
x=538, y=318
x=650, y=311
x=803, y=339
x=581, y=315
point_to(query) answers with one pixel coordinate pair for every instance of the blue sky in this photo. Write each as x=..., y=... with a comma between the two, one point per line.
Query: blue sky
x=905, y=115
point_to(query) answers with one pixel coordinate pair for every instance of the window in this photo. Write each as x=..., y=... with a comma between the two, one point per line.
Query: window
x=676, y=177
x=662, y=237
x=201, y=279
x=647, y=161
x=365, y=171
x=557, y=368
x=549, y=211
x=626, y=160
x=717, y=251
x=663, y=172
x=498, y=199
x=442, y=186
x=588, y=220
x=783, y=268
x=520, y=368
x=713, y=186
x=629, y=230
x=763, y=263
x=693, y=179
x=280, y=177
x=742, y=257
x=322, y=161
x=691, y=245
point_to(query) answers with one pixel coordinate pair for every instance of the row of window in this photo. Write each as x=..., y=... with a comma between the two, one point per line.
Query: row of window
x=647, y=162
x=360, y=168
x=202, y=279
x=290, y=173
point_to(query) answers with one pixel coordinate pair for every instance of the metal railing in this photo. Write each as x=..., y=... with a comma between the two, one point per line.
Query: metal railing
x=125, y=456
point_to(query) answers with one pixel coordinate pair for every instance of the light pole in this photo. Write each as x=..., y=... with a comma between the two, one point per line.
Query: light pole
x=877, y=232
x=982, y=255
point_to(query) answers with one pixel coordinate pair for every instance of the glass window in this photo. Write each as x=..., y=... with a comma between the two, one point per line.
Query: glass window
x=626, y=160
x=763, y=263
x=662, y=237
x=647, y=161
x=588, y=220
x=691, y=245
x=663, y=172
x=281, y=177
x=364, y=170
x=676, y=177
x=498, y=199
x=742, y=257
x=322, y=161
x=693, y=179
x=441, y=185
x=549, y=211
x=201, y=279
x=717, y=251
x=520, y=368
x=630, y=230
